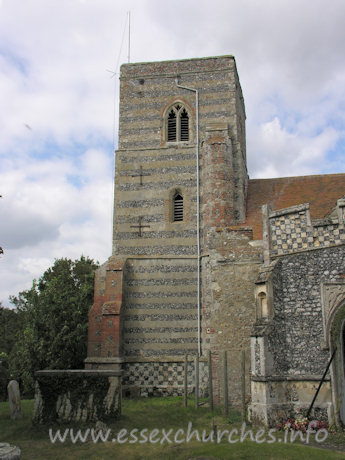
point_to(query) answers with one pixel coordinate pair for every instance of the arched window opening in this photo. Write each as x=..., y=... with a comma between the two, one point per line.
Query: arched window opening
x=178, y=208
x=184, y=125
x=172, y=126
x=263, y=305
x=177, y=124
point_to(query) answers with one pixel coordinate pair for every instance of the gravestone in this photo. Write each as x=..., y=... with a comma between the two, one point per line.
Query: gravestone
x=77, y=395
x=8, y=452
x=14, y=399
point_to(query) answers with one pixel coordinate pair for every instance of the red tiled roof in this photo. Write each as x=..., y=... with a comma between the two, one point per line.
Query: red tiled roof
x=321, y=192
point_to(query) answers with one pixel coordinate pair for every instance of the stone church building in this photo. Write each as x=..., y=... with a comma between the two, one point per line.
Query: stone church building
x=206, y=259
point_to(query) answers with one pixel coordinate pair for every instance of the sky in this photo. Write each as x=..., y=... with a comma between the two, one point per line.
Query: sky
x=59, y=64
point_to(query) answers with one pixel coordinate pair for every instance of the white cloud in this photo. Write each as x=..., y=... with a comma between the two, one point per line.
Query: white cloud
x=33, y=265
x=57, y=101
x=46, y=216
x=283, y=153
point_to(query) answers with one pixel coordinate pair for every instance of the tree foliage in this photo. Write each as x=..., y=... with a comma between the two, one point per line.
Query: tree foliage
x=54, y=318
x=9, y=327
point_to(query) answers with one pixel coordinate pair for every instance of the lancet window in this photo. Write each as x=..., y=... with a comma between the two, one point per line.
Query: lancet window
x=177, y=124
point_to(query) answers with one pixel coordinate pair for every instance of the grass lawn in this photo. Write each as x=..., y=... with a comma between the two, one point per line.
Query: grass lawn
x=151, y=413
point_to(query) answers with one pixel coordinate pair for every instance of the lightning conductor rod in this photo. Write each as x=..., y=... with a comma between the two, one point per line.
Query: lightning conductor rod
x=129, y=37
x=197, y=201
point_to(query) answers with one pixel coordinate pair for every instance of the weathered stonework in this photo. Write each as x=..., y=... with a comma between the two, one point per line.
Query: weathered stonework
x=77, y=396
x=229, y=272
x=293, y=341
x=219, y=279
x=104, y=317
x=291, y=230
x=277, y=399
x=159, y=273
x=9, y=452
x=162, y=378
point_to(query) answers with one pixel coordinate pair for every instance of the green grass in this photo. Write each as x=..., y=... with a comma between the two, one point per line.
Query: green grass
x=150, y=413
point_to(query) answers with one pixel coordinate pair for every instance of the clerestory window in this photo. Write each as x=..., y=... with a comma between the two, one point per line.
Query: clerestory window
x=177, y=124
x=178, y=208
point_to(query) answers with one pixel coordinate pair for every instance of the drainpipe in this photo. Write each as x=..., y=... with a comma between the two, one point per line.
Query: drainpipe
x=197, y=201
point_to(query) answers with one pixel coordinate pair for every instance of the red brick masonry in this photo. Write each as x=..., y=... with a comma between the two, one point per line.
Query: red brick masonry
x=321, y=192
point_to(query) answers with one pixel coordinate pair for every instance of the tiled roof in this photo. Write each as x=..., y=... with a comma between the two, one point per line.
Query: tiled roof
x=321, y=192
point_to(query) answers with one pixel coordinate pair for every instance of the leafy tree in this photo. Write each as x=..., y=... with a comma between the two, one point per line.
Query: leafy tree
x=9, y=326
x=54, y=318
x=4, y=375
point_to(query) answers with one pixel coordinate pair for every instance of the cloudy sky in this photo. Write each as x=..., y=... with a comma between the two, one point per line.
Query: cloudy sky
x=57, y=100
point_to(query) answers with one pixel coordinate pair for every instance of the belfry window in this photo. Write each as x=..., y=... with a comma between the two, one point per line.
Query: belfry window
x=172, y=126
x=184, y=126
x=177, y=126
x=178, y=208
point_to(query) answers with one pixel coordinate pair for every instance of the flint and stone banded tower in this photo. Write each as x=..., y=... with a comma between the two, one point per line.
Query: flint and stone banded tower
x=180, y=182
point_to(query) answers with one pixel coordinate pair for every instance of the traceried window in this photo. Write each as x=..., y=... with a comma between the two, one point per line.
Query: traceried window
x=177, y=124
x=178, y=208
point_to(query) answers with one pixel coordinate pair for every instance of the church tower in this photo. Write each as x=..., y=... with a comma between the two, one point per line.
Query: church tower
x=180, y=182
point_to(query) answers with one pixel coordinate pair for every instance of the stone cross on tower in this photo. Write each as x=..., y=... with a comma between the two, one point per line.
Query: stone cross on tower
x=140, y=226
x=141, y=174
